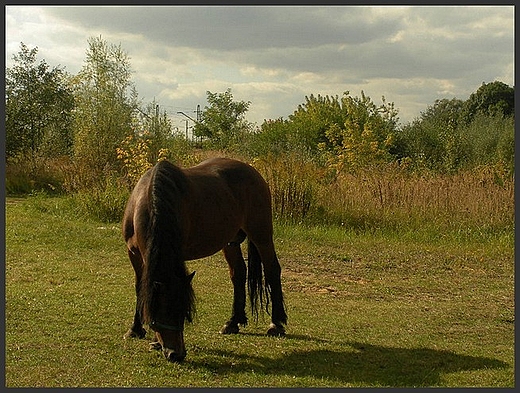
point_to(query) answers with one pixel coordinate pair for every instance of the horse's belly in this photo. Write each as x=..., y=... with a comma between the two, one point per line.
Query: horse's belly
x=202, y=251
x=198, y=255
x=203, y=245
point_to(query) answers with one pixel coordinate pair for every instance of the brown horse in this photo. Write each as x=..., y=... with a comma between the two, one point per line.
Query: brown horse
x=174, y=215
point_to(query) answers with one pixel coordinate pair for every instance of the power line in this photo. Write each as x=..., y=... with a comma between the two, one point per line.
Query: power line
x=189, y=117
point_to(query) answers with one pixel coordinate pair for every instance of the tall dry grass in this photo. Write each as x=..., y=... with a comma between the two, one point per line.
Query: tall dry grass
x=378, y=198
x=24, y=175
x=390, y=197
x=293, y=184
x=472, y=198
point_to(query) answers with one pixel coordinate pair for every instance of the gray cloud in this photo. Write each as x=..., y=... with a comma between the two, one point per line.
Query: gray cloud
x=236, y=28
x=274, y=56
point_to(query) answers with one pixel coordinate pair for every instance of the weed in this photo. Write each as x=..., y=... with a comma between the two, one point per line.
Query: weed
x=24, y=176
x=389, y=198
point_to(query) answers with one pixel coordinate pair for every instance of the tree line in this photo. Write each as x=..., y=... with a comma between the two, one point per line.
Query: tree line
x=347, y=133
x=96, y=120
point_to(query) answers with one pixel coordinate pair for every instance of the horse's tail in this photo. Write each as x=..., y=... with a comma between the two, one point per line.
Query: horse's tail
x=163, y=256
x=259, y=295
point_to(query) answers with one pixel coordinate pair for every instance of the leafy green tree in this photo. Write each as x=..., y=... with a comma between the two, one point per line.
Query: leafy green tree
x=312, y=119
x=272, y=138
x=490, y=141
x=455, y=134
x=489, y=129
x=444, y=112
x=223, y=120
x=491, y=99
x=38, y=106
x=434, y=140
x=105, y=105
x=343, y=132
x=365, y=138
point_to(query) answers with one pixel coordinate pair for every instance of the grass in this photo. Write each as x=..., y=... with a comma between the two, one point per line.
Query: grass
x=366, y=309
x=390, y=197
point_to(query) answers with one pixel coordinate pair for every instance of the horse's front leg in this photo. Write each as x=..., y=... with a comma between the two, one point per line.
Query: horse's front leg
x=137, y=329
x=237, y=272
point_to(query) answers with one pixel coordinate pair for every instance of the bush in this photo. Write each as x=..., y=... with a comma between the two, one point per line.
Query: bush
x=105, y=203
x=25, y=176
x=490, y=140
x=438, y=141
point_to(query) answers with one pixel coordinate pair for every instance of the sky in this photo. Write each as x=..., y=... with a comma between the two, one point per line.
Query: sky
x=275, y=56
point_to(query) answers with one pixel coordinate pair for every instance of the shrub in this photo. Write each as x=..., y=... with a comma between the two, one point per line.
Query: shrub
x=105, y=203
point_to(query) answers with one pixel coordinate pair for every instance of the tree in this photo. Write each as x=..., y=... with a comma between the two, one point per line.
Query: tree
x=434, y=139
x=490, y=140
x=273, y=138
x=365, y=138
x=38, y=108
x=491, y=99
x=304, y=130
x=454, y=134
x=312, y=119
x=343, y=132
x=106, y=100
x=223, y=120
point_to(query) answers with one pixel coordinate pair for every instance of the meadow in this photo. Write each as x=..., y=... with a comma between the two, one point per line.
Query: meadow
x=411, y=285
x=396, y=241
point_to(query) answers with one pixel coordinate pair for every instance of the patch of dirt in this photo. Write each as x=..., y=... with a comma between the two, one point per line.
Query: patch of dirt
x=308, y=282
x=13, y=200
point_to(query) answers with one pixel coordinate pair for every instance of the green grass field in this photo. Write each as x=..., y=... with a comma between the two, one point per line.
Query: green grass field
x=365, y=310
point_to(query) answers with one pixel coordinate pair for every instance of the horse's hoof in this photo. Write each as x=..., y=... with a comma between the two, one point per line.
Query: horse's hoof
x=133, y=334
x=276, y=330
x=229, y=329
x=155, y=345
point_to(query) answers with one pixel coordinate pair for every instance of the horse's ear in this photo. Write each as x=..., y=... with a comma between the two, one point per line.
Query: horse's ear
x=189, y=277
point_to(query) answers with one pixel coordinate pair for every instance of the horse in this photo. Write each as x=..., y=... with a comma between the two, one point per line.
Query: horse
x=174, y=215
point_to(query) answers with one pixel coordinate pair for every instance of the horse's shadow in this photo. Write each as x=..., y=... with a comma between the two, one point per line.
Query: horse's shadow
x=359, y=364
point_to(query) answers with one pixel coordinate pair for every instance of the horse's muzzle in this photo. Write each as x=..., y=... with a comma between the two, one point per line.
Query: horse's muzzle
x=173, y=356
x=172, y=343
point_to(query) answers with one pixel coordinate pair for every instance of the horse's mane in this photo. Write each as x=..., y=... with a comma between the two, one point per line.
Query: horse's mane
x=164, y=261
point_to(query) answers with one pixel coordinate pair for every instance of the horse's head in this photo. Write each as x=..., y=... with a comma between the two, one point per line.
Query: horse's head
x=172, y=305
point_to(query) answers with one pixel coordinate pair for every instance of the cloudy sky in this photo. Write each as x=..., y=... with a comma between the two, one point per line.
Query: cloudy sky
x=274, y=56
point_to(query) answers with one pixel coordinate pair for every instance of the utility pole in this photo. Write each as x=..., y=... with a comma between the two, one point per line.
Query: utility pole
x=191, y=118
x=155, y=122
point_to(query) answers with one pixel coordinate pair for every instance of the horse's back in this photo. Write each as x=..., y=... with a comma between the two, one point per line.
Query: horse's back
x=232, y=170
x=238, y=176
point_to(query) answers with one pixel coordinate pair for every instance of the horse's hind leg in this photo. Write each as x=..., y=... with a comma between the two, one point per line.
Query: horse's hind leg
x=237, y=272
x=278, y=314
x=272, y=272
x=137, y=329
